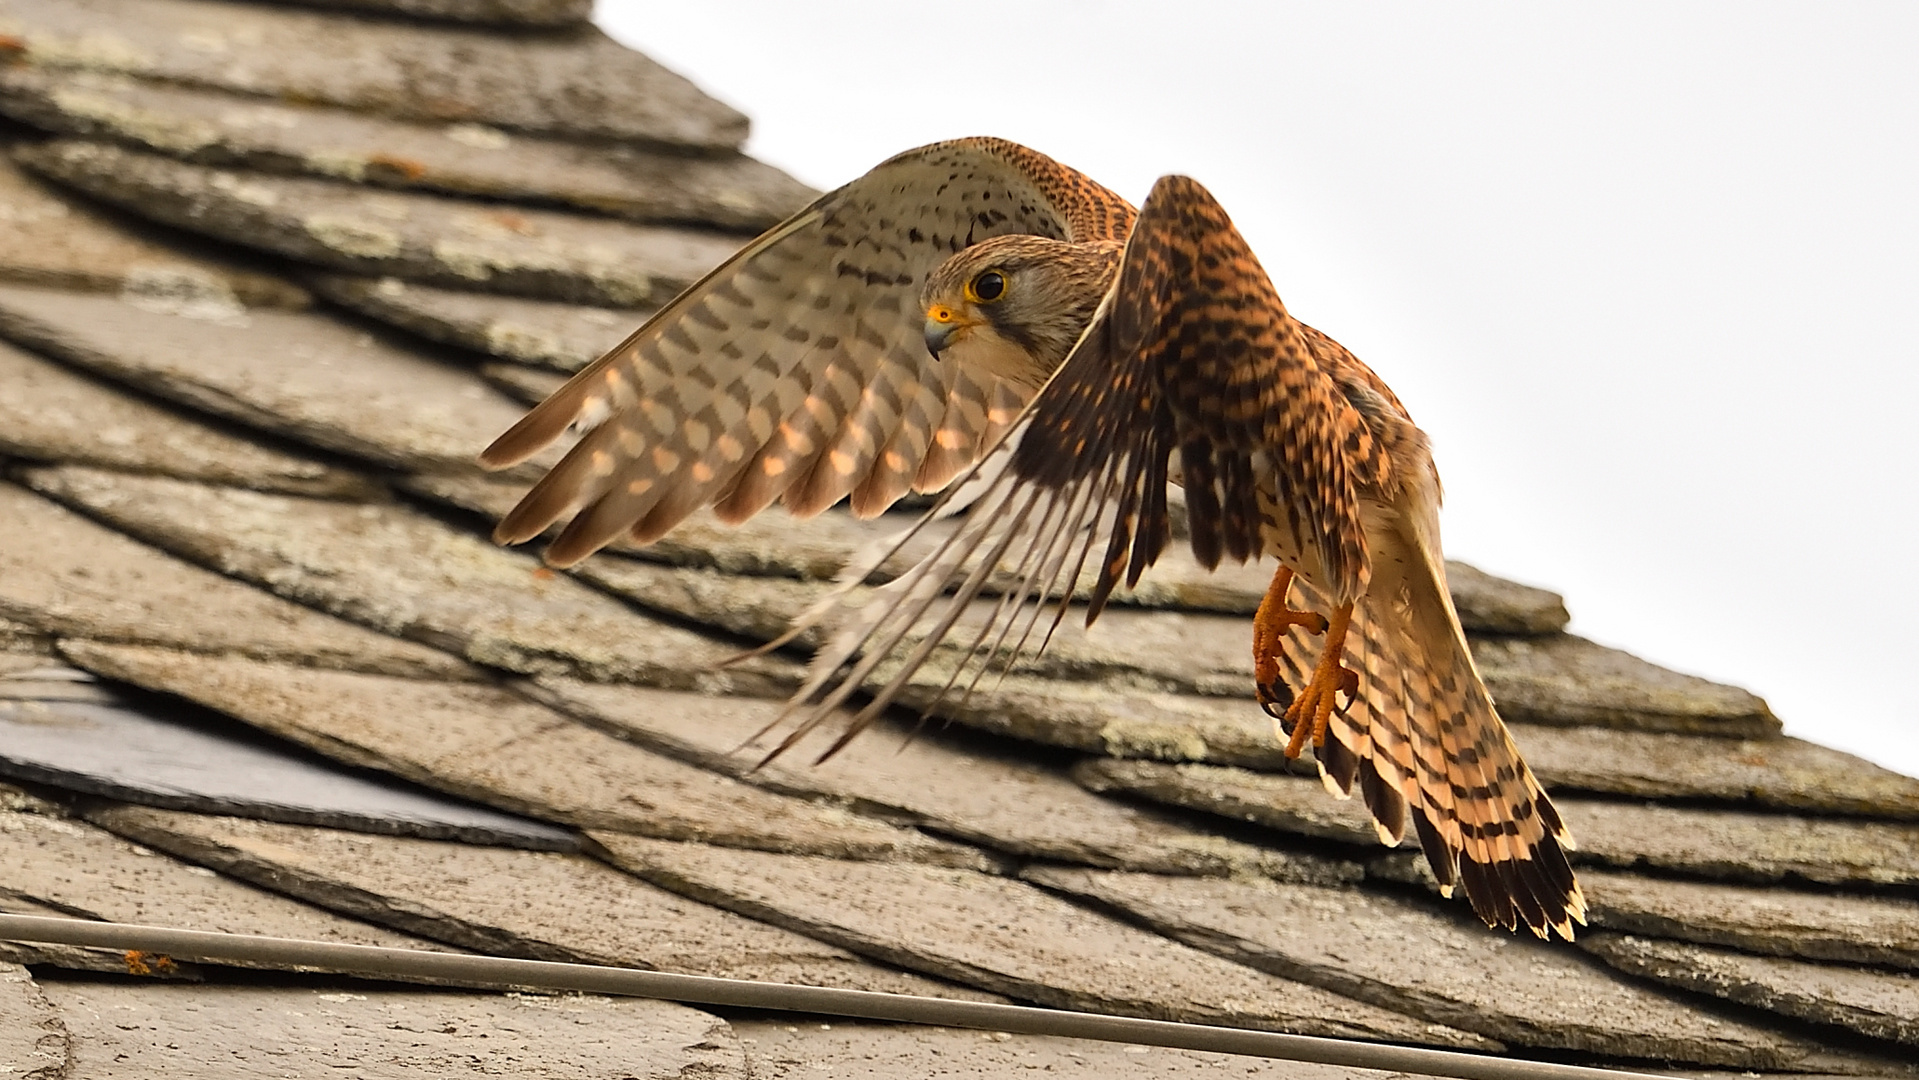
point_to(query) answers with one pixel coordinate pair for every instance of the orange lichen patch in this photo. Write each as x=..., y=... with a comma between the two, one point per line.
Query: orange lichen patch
x=542, y=574
x=146, y=963
x=12, y=47
x=509, y=220
x=406, y=167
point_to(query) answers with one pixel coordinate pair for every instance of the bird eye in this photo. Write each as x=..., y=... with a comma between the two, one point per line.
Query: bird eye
x=987, y=287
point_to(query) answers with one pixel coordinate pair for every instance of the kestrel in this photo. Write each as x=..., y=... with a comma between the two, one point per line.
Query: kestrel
x=975, y=310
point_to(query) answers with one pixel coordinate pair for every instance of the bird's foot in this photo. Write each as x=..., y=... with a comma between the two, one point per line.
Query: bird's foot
x=1270, y=624
x=1309, y=712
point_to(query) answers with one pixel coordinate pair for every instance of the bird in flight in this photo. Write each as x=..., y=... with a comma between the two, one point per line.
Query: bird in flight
x=974, y=311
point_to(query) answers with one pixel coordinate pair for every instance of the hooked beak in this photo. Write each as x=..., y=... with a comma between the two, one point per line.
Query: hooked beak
x=942, y=324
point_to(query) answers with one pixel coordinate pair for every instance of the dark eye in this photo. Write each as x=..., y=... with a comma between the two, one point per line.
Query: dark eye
x=989, y=286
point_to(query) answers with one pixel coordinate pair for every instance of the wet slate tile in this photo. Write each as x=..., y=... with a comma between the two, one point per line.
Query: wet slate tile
x=407, y=574
x=548, y=13
x=53, y=239
x=563, y=337
x=65, y=576
x=1412, y=958
x=1880, y=1004
x=129, y=1029
x=33, y=1041
x=1008, y=937
x=1563, y=679
x=727, y=191
x=982, y=794
x=51, y=413
x=306, y=376
x=573, y=82
x=536, y=905
x=484, y=743
x=163, y=754
x=1840, y=927
x=435, y=239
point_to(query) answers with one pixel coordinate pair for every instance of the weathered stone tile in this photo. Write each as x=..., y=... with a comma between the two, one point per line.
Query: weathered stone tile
x=399, y=571
x=485, y=743
x=522, y=382
x=53, y=414
x=1494, y=605
x=1775, y=773
x=802, y=1048
x=728, y=191
x=563, y=337
x=983, y=794
x=503, y=12
x=309, y=377
x=1881, y=1004
x=1842, y=927
x=1287, y=803
x=576, y=82
x=33, y=1041
x=432, y=238
x=1405, y=956
x=1008, y=937
x=82, y=871
x=52, y=239
x=163, y=754
x=1563, y=679
x=143, y=1029
x=536, y=905
x=66, y=576
x=28, y=677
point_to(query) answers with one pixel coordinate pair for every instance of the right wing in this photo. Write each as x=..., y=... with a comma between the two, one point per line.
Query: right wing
x=797, y=369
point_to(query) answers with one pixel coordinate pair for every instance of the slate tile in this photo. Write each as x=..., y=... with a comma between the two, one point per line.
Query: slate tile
x=522, y=382
x=309, y=377
x=1444, y=967
x=982, y=794
x=162, y=754
x=53, y=239
x=484, y=743
x=1289, y=804
x=63, y=575
x=563, y=337
x=404, y=573
x=1880, y=1004
x=573, y=82
x=727, y=190
x=1840, y=927
x=34, y=677
x=502, y=902
x=33, y=1041
x=53, y=414
x=129, y=1029
x=549, y=13
x=1494, y=605
x=1563, y=679
x=436, y=239
x=1006, y=936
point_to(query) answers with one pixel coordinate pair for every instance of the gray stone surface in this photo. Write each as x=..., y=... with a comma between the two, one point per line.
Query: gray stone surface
x=1449, y=969
x=30, y=677
x=138, y=753
x=577, y=82
x=53, y=414
x=1564, y=679
x=137, y=1029
x=804, y=1048
x=536, y=905
x=481, y=742
x=1494, y=605
x=1287, y=803
x=52, y=239
x=1009, y=937
x=990, y=795
x=564, y=337
x=407, y=574
x=1881, y=1004
x=432, y=238
x=505, y=12
x=66, y=576
x=1833, y=926
x=728, y=191
x=33, y=1041
x=522, y=382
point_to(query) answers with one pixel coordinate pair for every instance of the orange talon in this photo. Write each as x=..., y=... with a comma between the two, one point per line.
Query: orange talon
x=1310, y=711
x=1270, y=624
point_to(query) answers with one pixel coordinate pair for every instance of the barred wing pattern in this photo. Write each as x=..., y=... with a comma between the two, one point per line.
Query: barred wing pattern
x=796, y=370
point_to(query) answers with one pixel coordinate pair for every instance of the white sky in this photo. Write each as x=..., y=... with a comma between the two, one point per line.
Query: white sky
x=1643, y=271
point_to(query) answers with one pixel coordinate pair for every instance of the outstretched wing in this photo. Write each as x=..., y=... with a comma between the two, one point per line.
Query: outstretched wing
x=1192, y=353
x=796, y=370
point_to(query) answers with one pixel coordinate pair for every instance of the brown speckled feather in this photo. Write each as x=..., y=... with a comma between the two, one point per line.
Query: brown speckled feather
x=796, y=370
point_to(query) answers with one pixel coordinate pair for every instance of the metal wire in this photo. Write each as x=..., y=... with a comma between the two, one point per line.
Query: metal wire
x=503, y=974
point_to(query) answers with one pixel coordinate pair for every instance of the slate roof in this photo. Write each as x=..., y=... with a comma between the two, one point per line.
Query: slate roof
x=261, y=302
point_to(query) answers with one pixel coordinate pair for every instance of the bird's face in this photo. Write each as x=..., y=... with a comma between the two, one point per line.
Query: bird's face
x=1015, y=305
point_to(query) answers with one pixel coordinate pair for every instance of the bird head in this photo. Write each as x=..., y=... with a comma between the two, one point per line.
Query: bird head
x=1015, y=305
